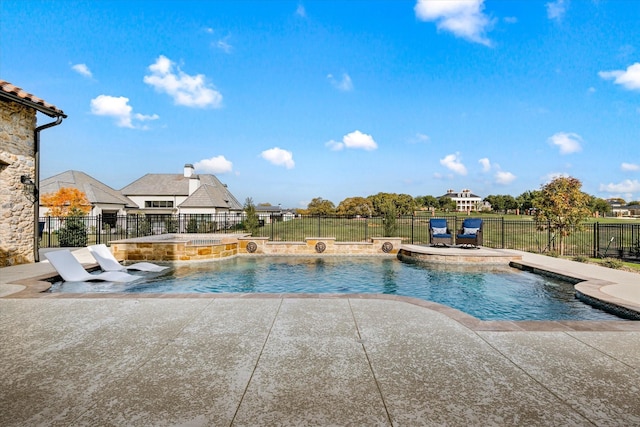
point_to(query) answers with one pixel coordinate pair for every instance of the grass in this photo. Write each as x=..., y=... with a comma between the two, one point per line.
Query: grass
x=617, y=264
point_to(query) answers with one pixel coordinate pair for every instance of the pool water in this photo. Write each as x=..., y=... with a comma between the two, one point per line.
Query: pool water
x=488, y=293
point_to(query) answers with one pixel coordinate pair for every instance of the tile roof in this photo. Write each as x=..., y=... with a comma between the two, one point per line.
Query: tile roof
x=16, y=94
x=96, y=191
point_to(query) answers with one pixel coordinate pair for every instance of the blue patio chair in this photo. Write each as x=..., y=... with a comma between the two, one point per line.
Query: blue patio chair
x=439, y=233
x=471, y=232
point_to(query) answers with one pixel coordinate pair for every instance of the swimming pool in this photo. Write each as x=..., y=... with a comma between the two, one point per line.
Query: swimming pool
x=488, y=293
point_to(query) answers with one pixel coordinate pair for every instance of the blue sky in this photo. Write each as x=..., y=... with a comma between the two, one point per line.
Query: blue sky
x=286, y=101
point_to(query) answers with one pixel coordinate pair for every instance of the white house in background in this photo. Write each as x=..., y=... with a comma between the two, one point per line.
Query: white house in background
x=275, y=213
x=465, y=200
x=104, y=200
x=186, y=193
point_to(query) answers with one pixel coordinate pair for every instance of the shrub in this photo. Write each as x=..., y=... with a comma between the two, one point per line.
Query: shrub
x=612, y=263
x=389, y=218
x=580, y=258
x=74, y=233
x=252, y=222
x=171, y=225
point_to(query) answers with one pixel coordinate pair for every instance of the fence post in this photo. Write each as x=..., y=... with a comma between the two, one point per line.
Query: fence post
x=50, y=231
x=98, y=228
x=596, y=238
x=502, y=232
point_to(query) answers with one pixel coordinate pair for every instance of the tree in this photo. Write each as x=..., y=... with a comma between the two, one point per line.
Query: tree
x=525, y=200
x=73, y=233
x=599, y=205
x=502, y=203
x=426, y=202
x=65, y=201
x=252, y=222
x=355, y=206
x=447, y=204
x=319, y=206
x=404, y=203
x=390, y=214
x=496, y=202
x=562, y=206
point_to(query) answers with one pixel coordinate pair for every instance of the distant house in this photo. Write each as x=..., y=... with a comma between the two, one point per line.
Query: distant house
x=465, y=200
x=202, y=197
x=618, y=209
x=273, y=213
x=104, y=200
x=20, y=171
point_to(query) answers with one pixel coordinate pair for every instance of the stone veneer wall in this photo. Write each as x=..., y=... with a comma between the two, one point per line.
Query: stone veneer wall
x=319, y=246
x=177, y=248
x=17, y=125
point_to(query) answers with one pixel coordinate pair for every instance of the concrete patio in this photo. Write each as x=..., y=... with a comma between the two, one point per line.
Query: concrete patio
x=306, y=360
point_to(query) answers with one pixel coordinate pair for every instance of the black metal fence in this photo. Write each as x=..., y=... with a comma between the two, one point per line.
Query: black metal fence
x=616, y=240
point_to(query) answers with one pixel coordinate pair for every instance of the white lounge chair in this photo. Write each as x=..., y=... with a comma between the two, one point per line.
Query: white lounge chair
x=108, y=262
x=70, y=269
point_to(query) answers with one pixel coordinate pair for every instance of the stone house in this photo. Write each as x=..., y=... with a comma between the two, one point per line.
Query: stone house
x=20, y=171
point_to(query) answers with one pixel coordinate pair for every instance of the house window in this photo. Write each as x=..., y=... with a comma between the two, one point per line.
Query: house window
x=158, y=204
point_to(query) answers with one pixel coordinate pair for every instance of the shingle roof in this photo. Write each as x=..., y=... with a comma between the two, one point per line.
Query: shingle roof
x=206, y=196
x=459, y=194
x=96, y=191
x=13, y=93
x=157, y=184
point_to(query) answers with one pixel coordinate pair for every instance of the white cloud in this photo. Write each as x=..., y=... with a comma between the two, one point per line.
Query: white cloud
x=144, y=117
x=300, y=11
x=486, y=164
x=420, y=138
x=556, y=10
x=82, y=69
x=224, y=45
x=629, y=167
x=334, y=145
x=345, y=85
x=567, y=142
x=629, y=79
x=190, y=91
x=118, y=107
x=217, y=164
x=279, y=157
x=626, y=186
x=463, y=18
x=452, y=162
x=504, y=177
x=355, y=140
x=553, y=175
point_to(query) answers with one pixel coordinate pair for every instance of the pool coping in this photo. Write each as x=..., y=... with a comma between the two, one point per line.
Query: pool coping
x=590, y=286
